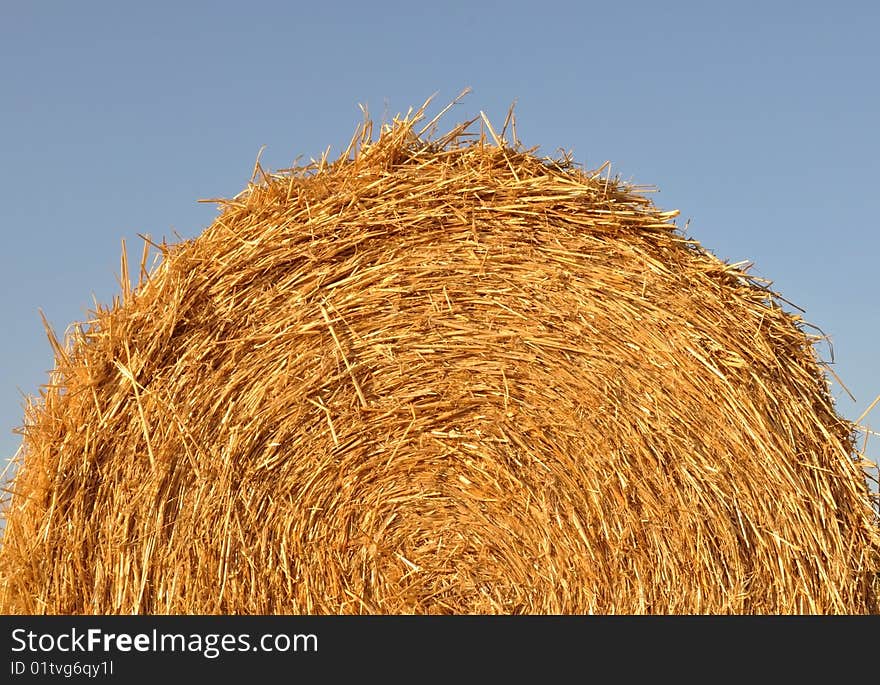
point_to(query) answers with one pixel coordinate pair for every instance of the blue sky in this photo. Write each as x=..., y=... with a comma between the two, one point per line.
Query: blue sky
x=757, y=120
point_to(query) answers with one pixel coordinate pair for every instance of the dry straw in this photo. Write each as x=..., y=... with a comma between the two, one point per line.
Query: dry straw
x=440, y=374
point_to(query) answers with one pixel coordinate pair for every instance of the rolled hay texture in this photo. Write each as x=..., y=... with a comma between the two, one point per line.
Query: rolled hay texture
x=439, y=375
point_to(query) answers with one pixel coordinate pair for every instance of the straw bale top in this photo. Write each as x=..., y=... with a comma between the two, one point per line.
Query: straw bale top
x=439, y=374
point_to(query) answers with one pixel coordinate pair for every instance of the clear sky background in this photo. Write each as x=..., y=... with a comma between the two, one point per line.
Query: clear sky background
x=759, y=121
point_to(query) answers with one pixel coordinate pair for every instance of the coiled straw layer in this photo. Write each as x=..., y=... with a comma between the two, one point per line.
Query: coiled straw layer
x=439, y=375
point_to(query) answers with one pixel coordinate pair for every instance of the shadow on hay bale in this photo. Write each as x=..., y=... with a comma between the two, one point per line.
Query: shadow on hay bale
x=439, y=375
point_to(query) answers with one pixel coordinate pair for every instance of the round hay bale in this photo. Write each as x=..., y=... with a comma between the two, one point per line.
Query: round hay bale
x=440, y=376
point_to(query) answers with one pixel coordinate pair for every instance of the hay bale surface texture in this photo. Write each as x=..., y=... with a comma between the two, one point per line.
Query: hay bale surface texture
x=439, y=375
